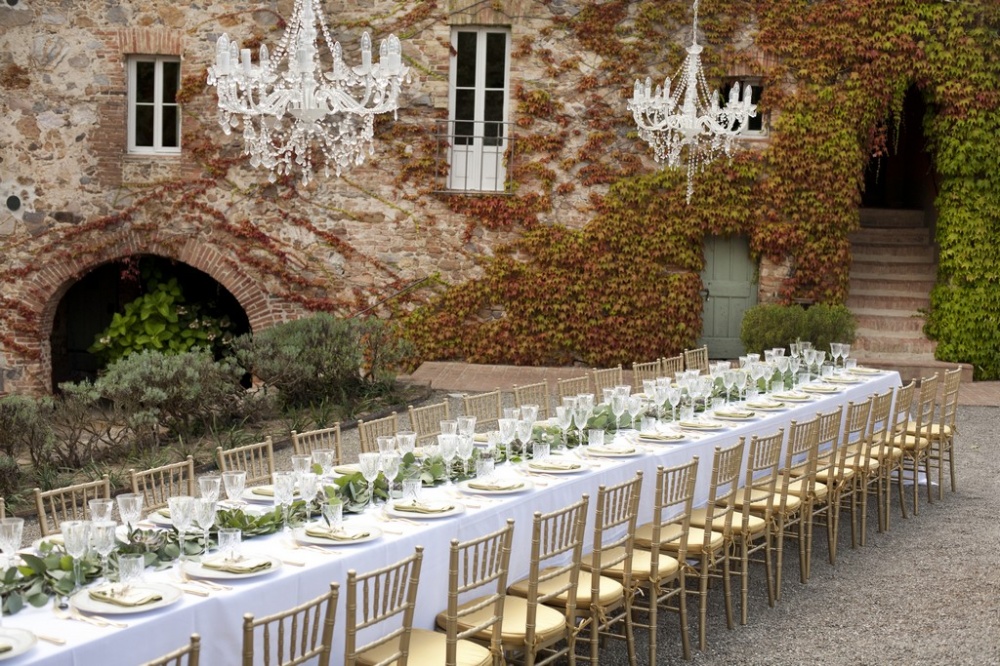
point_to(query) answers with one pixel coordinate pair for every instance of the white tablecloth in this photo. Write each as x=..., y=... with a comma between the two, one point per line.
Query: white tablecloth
x=218, y=618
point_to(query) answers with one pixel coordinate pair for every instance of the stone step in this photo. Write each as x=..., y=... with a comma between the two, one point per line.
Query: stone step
x=870, y=325
x=892, y=217
x=890, y=286
x=898, y=271
x=891, y=305
x=892, y=252
x=895, y=345
x=898, y=236
x=910, y=366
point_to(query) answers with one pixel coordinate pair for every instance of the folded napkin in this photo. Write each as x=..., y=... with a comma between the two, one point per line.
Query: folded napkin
x=843, y=380
x=163, y=512
x=5, y=647
x=265, y=491
x=416, y=507
x=611, y=449
x=661, y=436
x=820, y=388
x=865, y=371
x=794, y=396
x=766, y=404
x=335, y=535
x=554, y=465
x=495, y=485
x=128, y=597
x=346, y=469
x=240, y=566
x=481, y=437
x=734, y=413
x=701, y=425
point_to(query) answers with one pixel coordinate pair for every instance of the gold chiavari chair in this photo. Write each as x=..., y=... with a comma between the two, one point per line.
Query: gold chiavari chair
x=257, y=460
x=942, y=431
x=696, y=359
x=370, y=431
x=304, y=443
x=187, y=655
x=534, y=394
x=902, y=405
x=158, y=484
x=916, y=446
x=827, y=479
x=607, y=378
x=486, y=407
x=671, y=365
x=566, y=388
x=644, y=371
x=875, y=457
x=426, y=420
x=854, y=441
x=69, y=503
x=293, y=636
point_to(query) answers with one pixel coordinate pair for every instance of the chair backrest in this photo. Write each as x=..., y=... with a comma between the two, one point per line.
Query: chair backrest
x=157, y=485
x=828, y=450
x=671, y=365
x=607, y=378
x=949, y=399
x=556, y=552
x=305, y=443
x=69, y=503
x=370, y=431
x=644, y=371
x=617, y=507
x=761, y=478
x=187, y=655
x=486, y=407
x=257, y=460
x=426, y=420
x=573, y=386
x=534, y=394
x=902, y=407
x=293, y=636
x=854, y=437
x=800, y=455
x=696, y=359
x=880, y=424
x=473, y=566
x=383, y=595
x=725, y=483
x=924, y=416
x=672, y=504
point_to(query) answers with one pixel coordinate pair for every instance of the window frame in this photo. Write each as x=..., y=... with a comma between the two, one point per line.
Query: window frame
x=158, y=105
x=758, y=90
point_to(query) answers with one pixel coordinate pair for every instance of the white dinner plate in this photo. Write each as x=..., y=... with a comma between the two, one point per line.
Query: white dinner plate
x=198, y=571
x=840, y=379
x=54, y=539
x=521, y=487
x=159, y=519
x=612, y=451
x=373, y=533
x=825, y=389
x=21, y=640
x=701, y=425
x=663, y=438
x=250, y=496
x=767, y=406
x=793, y=396
x=566, y=466
x=456, y=509
x=170, y=594
x=734, y=415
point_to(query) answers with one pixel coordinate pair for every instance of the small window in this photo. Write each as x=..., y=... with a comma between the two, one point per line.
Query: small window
x=154, y=116
x=756, y=126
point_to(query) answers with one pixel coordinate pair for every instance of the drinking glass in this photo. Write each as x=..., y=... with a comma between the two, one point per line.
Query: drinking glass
x=130, y=566
x=102, y=540
x=448, y=447
x=619, y=403
x=76, y=540
x=11, y=533
x=465, y=446
x=661, y=392
x=308, y=487
x=835, y=349
x=333, y=515
x=728, y=382
x=485, y=466
x=467, y=425
x=595, y=437
x=793, y=365
x=229, y=542
x=130, y=509
x=783, y=363
x=850, y=363
x=606, y=395
x=284, y=491
x=581, y=416
x=449, y=427
x=412, y=488
x=636, y=405
x=301, y=464
x=529, y=413
x=508, y=431
x=564, y=419
x=406, y=440
x=674, y=398
x=209, y=486
x=181, y=515
x=512, y=413
x=368, y=462
x=845, y=351
x=540, y=451
x=204, y=517
x=234, y=483
x=390, y=462
x=524, y=432
x=323, y=458
x=100, y=509
x=385, y=444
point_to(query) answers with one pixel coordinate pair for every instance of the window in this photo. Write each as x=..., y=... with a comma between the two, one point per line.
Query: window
x=756, y=126
x=154, y=118
x=479, y=100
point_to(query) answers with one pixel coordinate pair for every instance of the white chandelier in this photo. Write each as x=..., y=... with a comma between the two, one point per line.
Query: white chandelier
x=292, y=110
x=688, y=123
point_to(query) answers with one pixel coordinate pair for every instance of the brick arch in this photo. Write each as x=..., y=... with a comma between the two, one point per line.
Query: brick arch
x=47, y=287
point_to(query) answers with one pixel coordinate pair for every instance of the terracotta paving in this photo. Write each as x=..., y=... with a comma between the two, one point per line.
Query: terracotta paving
x=471, y=378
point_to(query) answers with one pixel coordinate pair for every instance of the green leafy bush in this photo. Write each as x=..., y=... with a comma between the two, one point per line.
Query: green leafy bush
x=769, y=325
x=24, y=427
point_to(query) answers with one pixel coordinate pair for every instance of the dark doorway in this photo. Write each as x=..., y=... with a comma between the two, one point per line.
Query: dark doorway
x=89, y=306
x=904, y=177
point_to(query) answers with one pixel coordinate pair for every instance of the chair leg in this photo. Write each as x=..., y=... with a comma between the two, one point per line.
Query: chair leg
x=768, y=565
x=779, y=547
x=951, y=461
x=900, y=471
x=682, y=614
x=702, y=602
x=653, y=591
x=744, y=578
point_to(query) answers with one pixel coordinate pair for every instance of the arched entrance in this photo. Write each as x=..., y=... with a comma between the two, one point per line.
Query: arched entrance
x=89, y=304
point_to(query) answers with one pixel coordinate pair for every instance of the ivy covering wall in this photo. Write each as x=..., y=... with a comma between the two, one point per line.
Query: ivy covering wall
x=626, y=286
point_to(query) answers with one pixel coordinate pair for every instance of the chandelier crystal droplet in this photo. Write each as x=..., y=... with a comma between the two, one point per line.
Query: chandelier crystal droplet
x=688, y=125
x=295, y=114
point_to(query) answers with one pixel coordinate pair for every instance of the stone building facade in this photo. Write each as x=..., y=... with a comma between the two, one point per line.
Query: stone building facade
x=78, y=197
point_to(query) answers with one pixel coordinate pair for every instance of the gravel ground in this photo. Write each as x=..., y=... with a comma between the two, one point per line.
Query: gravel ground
x=926, y=592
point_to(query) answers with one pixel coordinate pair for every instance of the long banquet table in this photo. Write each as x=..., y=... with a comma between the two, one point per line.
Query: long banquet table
x=218, y=617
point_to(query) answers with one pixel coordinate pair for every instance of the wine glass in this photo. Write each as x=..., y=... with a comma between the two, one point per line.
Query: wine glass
x=467, y=425
x=465, y=446
x=390, y=462
x=448, y=448
x=508, y=431
x=100, y=509
x=564, y=419
x=284, y=491
x=524, y=431
x=181, y=515
x=234, y=482
x=449, y=427
x=130, y=509
x=323, y=458
x=301, y=464
x=406, y=441
x=385, y=444
x=11, y=533
x=102, y=539
x=636, y=405
x=619, y=404
x=76, y=541
x=308, y=487
x=728, y=382
x=845, y=351
x=674, y=395
x=529, y=413
x=783, y=363
x=209, y=486
x=368, y=462
x=204, y=517
x=835, y=350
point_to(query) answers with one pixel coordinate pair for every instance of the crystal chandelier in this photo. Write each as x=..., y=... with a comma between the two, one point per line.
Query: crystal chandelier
x=687, y=124
x=292, y=110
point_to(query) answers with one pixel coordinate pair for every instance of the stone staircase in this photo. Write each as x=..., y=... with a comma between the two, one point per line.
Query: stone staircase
x=893, y=271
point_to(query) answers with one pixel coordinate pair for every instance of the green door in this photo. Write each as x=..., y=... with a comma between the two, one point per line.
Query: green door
x=730, y=287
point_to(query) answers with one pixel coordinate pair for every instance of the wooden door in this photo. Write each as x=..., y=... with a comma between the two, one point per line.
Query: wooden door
x=730, y=288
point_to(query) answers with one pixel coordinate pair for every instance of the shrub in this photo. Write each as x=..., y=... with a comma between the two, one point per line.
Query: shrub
x=24, y=427
x=10, y=476
x=768, y=325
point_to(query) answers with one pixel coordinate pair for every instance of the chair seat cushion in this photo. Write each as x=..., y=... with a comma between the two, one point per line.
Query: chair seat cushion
x=792, y=504
x=935, y=430
x=758, y=500
x=909, y=442
x=550, y=624
x=797, y=488
x=642, y=564
x=609, y=592
x=669, y=541
x=429, y=647
x=756, y=524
